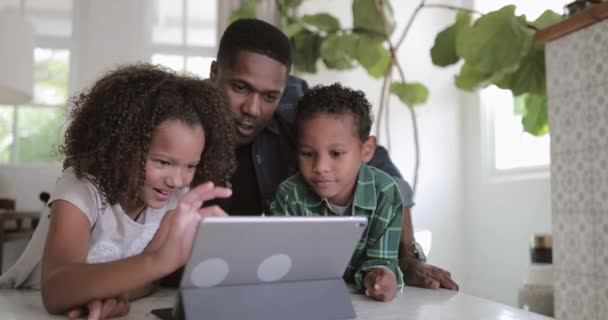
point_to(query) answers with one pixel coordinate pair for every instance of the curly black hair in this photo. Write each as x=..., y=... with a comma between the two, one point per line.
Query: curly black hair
x=112, y=124
x=253, y=35
x=336, y=99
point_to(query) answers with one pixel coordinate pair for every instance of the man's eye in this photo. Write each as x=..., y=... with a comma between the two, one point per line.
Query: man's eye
x=271, y=97
x=239, y=88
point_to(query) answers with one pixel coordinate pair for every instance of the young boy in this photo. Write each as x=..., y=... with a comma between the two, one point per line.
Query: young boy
x=334, y=143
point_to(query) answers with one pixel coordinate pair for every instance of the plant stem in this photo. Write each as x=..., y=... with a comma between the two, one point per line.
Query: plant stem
x=454, y=8
x=385, y=81
x=410, y=21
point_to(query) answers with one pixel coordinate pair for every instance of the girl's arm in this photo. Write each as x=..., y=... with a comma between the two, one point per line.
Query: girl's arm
x=68, y=281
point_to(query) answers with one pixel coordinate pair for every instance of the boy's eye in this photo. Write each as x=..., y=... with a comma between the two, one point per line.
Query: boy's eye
x=336, y=154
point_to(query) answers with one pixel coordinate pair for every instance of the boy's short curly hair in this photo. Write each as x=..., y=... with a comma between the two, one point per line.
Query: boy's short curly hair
x=336, y=99
x=112, y=125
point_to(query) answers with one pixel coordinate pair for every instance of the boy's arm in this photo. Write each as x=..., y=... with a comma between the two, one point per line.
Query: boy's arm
x=280, y=206
x=384, y=252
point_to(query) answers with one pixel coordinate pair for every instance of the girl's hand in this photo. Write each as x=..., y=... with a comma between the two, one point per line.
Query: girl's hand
x=380, y=284
x=102, y=309
x=183, y=223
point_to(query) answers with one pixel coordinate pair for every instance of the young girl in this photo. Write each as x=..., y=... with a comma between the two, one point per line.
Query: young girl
x=134, y=145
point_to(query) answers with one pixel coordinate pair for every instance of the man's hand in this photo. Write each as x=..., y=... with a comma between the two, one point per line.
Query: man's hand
x=419, y=274
x=102, y=309
x=380, y=284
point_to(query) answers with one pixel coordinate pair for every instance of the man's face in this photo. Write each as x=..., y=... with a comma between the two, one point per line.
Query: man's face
x=253, y=88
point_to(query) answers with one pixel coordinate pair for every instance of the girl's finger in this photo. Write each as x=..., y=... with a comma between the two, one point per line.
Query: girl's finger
x=94, y=310
x=212, y=211
x=107, y=308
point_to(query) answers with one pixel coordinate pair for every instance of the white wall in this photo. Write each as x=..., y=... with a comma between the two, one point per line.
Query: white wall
x=499, y=218
x=439, y=196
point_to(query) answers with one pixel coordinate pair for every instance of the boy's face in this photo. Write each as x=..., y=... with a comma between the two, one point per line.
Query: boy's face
x=330, y=154
x=175, y=151
x=253, y=88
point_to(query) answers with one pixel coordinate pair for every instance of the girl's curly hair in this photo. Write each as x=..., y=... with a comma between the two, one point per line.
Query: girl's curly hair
x=112, y=125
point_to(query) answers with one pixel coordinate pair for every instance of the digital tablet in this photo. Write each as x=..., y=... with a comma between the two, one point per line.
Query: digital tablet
x=250, y=250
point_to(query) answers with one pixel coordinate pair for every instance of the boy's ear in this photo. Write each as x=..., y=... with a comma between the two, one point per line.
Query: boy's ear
x=369, y=148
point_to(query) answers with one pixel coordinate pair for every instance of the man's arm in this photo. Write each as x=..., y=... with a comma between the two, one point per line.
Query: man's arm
x=415, y=271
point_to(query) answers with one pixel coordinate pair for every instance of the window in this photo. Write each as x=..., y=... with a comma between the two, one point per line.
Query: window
x=183, y=35
x=507, y=148
x=31, y=133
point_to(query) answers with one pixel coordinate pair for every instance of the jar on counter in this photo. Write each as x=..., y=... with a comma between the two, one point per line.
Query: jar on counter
x=536, y=294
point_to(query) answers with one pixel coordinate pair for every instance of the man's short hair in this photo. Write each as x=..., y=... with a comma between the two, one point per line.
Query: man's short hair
x=339, y=100
x=253, y=35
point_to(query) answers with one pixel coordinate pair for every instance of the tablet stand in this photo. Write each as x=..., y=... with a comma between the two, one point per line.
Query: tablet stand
x=315, y=299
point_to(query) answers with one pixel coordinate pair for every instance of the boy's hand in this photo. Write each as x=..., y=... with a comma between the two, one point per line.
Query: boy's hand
x=380, y=284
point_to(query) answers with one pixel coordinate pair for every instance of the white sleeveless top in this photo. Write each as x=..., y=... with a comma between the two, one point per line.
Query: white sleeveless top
x=113, y=235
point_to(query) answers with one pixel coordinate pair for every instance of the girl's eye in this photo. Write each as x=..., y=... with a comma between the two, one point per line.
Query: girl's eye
x=191, y=168
x=163, y=163
x=306, y=154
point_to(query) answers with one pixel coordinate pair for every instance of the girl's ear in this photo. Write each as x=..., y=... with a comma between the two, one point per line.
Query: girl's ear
x=369, y=148
x=213, y=71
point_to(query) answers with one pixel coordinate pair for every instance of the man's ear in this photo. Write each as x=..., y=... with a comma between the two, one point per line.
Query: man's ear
x=369, y=148
x=213, y=71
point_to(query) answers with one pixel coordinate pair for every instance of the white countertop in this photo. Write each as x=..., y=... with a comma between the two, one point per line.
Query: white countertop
x=412, y=304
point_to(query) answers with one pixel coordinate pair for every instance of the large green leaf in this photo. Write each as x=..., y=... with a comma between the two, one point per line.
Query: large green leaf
x=372, y=56
x=306, y=50
x=338, y=51
x=246, y=10
x=535, y=120
x=496, y=43
x=411, y=94
x=530, y=77
x=470, y=79
x=365, y=16
x=323, y=22
x=443, y=52
x=546, y=19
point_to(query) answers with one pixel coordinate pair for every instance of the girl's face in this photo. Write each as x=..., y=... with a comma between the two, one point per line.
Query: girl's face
x=175, y=151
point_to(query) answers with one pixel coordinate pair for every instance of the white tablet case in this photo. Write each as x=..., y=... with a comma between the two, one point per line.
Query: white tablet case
x=270, y=268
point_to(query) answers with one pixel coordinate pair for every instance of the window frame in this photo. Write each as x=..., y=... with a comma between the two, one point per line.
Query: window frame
x=52, y=43
x=184, y=50
x=492, y=174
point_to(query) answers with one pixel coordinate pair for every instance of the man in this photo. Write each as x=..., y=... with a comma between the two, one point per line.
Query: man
x=252, y=70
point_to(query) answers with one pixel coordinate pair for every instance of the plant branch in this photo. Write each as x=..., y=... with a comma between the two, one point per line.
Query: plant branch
x=395, y=62
x=454, y=8
x=410, y=21
x=387, y=76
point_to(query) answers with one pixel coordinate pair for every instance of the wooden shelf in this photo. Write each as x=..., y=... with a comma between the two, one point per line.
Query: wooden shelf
x=578, y=21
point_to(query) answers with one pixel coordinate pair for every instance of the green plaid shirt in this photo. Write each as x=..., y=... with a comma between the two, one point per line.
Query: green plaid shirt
x=377, y=197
